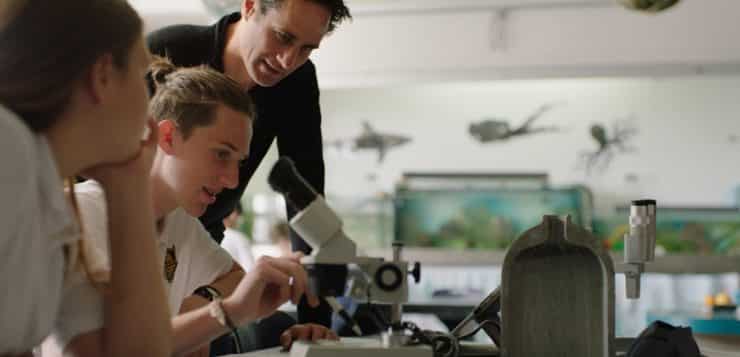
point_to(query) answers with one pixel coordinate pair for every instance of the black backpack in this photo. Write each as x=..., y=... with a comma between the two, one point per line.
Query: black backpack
x=664, y=340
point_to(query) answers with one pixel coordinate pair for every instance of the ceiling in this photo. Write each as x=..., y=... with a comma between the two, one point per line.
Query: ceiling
x=361, y=7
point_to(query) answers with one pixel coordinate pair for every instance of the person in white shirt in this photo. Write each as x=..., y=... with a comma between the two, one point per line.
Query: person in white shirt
x=280, y=237
x=204, y=129
x=73, y=101
x=279, y=241
x=235, y=242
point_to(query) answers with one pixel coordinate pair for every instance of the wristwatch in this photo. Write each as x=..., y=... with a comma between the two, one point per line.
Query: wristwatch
x=216, y=309
x=207, y=292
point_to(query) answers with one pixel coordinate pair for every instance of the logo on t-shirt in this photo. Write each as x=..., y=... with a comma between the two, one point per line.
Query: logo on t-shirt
x=170, y=264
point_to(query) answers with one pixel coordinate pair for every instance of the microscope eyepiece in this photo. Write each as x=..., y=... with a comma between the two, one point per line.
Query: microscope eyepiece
x=285, y=179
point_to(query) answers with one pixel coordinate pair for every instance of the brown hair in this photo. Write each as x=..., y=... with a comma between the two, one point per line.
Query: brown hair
x=76, y=256
x=337, y=8
x=47, y=46
x=189, y=96
x=8, y=9
x=280, y=231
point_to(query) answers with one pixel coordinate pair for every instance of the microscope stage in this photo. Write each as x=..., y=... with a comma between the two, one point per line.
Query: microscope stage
x=356, y=347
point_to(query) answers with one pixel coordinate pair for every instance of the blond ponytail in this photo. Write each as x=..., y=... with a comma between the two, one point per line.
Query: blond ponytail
x=77, y=255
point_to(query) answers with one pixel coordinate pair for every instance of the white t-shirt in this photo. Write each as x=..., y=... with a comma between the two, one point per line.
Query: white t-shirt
x=194, y=260
x=36, y=221
x=237, y=244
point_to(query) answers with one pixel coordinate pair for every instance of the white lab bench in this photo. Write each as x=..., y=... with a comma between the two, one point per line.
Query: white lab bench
x=708, y=347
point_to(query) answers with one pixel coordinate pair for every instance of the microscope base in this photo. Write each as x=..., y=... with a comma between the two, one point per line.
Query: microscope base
x=356, y=347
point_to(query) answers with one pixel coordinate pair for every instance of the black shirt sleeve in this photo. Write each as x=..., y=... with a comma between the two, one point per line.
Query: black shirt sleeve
x=300, y=139
x=184, y=45
x=298, y=132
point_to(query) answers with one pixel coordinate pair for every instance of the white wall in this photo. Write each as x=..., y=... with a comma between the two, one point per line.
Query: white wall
x=684, y=157
x=407, y=41
x=684, y=154
x=544, y=41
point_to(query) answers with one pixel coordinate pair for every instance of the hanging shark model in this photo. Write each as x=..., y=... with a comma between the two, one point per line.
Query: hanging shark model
x=370, y=139
x=648, y=5
x=500, y=130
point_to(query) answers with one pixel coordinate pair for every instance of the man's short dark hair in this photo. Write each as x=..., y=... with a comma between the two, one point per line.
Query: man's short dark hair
x=337, y=8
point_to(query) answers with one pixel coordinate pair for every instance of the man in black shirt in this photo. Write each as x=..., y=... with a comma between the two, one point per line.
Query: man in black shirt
x=265, y=48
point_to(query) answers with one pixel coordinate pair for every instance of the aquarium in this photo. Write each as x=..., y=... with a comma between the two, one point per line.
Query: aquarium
x=482, y=218
x=680, y=230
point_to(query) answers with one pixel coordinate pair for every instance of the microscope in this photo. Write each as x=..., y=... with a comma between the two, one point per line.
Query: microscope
x=384, y=281
x=387, y=281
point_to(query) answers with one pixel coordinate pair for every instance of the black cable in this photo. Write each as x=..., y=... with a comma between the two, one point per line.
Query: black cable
x=443, y=344
x=480, y=326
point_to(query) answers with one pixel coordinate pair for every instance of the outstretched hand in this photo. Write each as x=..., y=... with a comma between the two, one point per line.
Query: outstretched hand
x=306, y=332
x=269, y=284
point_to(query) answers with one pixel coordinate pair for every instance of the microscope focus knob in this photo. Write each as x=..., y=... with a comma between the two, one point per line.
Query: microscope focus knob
x=416, y=272
x=388, y=277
